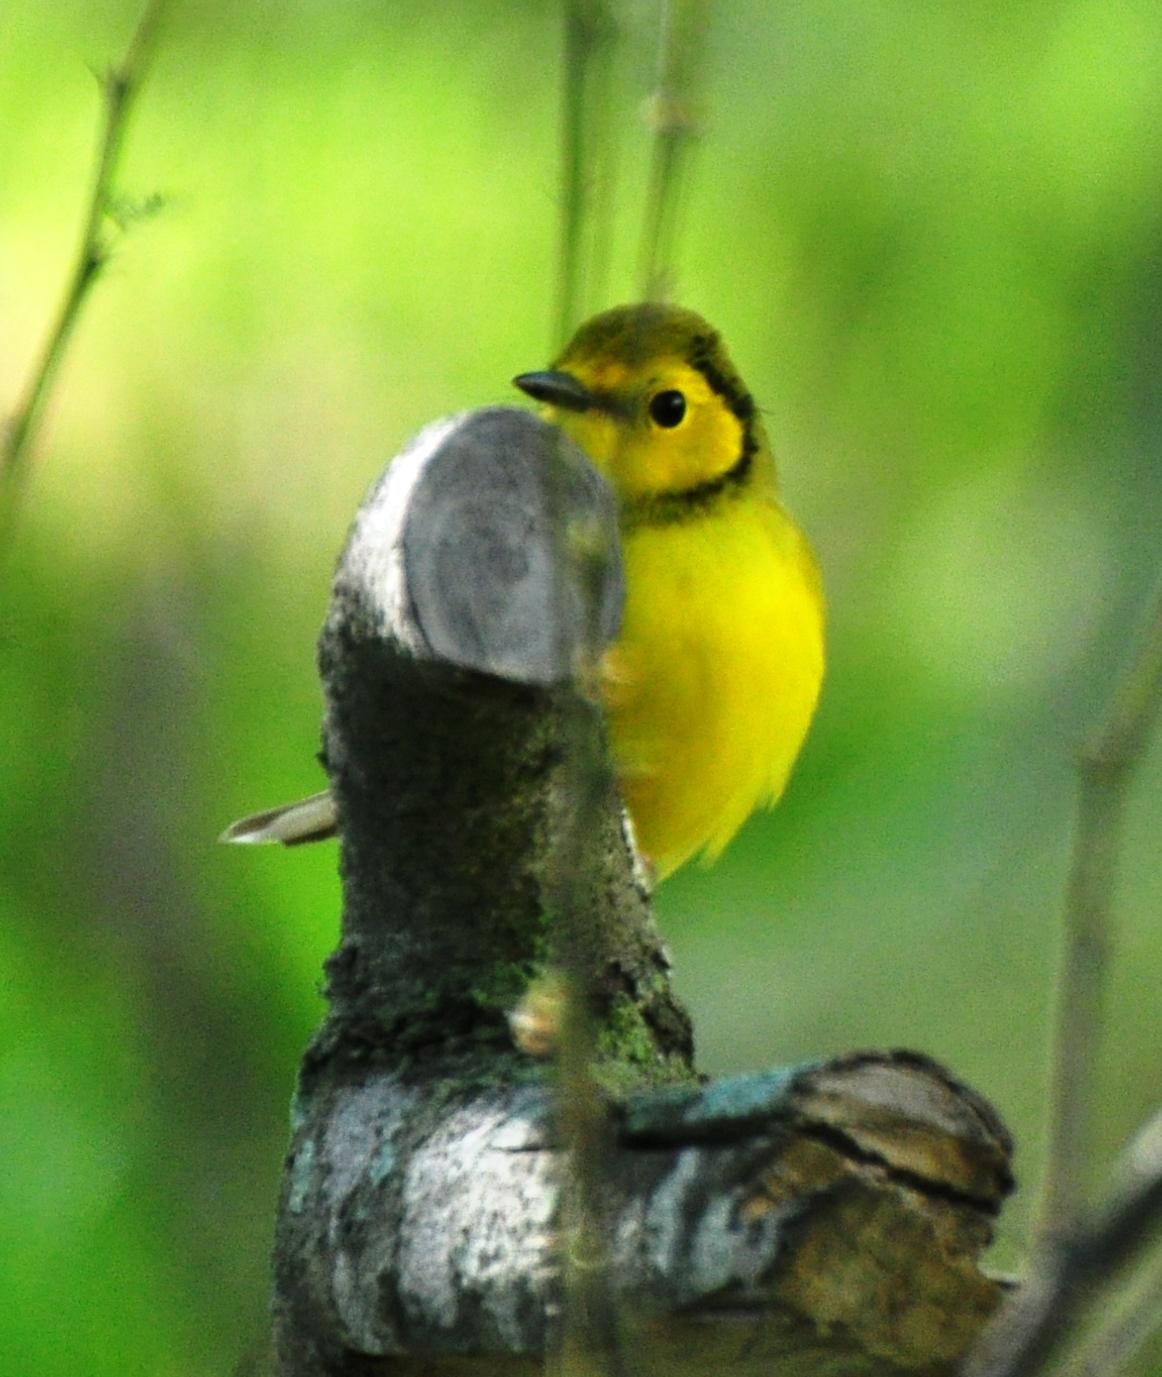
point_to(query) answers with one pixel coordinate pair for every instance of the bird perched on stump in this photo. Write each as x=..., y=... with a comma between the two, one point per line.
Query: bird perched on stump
x=712, y=681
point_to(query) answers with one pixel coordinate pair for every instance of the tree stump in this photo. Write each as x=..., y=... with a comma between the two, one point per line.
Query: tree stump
x=821, y=1219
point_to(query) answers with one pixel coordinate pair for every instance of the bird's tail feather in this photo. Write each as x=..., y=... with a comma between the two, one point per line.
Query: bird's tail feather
x=310, y=819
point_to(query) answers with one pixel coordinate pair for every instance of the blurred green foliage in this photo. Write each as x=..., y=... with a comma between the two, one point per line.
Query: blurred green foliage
x=932, y=234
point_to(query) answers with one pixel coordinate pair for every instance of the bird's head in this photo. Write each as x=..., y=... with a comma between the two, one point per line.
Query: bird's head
x=651, y=396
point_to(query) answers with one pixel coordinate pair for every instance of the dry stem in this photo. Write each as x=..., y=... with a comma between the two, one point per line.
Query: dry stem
x=119, y=86
x=673, y=113
x=1077, y=1255
x=1106, y=766
x=588, y=28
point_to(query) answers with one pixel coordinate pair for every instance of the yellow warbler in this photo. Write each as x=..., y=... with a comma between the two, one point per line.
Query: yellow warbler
x=712, y=682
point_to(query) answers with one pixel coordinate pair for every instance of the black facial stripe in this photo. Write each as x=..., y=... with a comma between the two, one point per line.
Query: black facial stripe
x=665, y=508
x=730, y=389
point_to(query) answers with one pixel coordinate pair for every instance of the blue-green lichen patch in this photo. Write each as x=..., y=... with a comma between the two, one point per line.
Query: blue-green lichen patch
x=382, y=1163
x=723, y=1109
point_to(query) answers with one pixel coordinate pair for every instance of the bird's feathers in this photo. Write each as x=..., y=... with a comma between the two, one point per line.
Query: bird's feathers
x=310, y=819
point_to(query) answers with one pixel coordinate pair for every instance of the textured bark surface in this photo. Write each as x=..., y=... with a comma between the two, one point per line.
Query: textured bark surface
x=821, y=1220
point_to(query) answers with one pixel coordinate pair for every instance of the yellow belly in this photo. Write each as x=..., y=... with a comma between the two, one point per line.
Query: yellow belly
x=714, y=678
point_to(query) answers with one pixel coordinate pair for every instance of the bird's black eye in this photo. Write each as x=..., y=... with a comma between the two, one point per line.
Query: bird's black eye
x=668, y=408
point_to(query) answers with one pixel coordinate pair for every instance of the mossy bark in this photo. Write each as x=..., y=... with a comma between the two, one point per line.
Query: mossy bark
x=818, y=1220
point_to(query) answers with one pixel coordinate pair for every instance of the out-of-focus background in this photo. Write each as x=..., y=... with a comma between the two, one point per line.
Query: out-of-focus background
x=933, y=237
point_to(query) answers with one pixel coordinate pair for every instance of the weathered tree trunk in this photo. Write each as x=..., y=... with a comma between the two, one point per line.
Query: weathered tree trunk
x=824, y=1219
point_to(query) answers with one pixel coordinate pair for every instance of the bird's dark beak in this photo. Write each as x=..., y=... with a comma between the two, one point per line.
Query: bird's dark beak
x=558, y=389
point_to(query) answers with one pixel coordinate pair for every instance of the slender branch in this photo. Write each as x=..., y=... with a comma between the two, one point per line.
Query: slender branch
x=590, y=1337
x=591, y=1330
x=587, y=30
x=1076, y=1274
x=673, y=111
x=119, y=87
x=1107, y=763
x=590, y=1342
x=1116, y=1341
x=1076, y=1254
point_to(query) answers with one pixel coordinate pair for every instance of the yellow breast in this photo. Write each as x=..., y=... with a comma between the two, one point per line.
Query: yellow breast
x=713, y=681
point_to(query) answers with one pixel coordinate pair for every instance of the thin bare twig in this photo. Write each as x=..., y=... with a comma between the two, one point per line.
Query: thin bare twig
x=1116, y=1342
x=588, y=30
x=1076, y=1253
x=590, y=1343
x=1075, y=1274
x=119, y=87
x=589, y=1339
x=590, y=1334
x=673, y=113
x=1107, y=764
